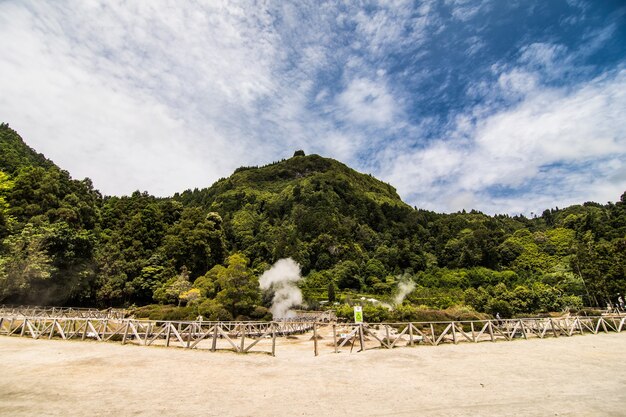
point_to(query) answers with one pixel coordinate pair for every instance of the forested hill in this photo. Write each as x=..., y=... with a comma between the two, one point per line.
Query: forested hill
x=15, y=154
x=62, y=242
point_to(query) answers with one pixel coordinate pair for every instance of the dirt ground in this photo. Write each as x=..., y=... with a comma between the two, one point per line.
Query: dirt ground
x=577, y=376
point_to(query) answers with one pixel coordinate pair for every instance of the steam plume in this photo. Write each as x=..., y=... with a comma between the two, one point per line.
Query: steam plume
x=282, y=278
x=404, y=288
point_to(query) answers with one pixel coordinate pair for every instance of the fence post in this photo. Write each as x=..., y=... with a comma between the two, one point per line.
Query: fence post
x=387, y=342
x=243, y=337
x=125, y=333
x=315, y=338
x=214, y=342
x=454, y=333
x=361, y=337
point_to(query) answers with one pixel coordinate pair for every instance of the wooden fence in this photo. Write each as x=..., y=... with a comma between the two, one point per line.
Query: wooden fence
x=236, y=336
x=36, y=311
x=392, y=335
x=246, y=337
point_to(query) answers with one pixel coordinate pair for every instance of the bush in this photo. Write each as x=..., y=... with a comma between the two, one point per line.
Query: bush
x=465, y=313
x=495, y=306
x=214, y=311
x=261, y=313
x=165, y=312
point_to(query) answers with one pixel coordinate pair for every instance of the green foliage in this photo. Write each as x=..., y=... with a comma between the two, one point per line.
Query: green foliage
x=173, y=289
x=165, y=312
x=214, y=311
x=62, y=242
x=239, y=293
x=26, y=262
x=6, y=220
x=376, y=313
x=331, y=296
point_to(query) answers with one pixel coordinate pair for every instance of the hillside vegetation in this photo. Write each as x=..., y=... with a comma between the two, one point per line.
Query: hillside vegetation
x=62, y=242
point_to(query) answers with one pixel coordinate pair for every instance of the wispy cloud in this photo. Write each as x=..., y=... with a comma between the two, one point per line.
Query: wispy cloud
x=164, y=97
x=556, y=144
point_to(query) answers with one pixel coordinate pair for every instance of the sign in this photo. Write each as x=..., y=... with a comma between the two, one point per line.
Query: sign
x=358, y=314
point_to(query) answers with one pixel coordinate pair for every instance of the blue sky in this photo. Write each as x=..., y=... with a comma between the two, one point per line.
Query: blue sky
x=500, y=106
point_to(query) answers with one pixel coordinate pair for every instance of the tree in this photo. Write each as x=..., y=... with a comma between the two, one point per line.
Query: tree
x=196, y=240
x=190, y=296
x=172, y=290
x=26, y=262
x=331, y=292
x=240, y=292
x=347, y=273
x=6, y=220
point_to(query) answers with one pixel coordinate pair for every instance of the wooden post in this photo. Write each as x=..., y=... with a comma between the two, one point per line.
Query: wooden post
x=125, y=333
x=387, y=343
x=361, y=337
x=553, y=329
x=273, y=339
x=54, y=322
x=432, y=334
x=190, y=334
x=148, y=328
x=167, y=335
x=603, y=325
x=315, y=338
x=410, y=334
x=214, y=342
x=243, y=337
x=335, y=337
x=474, y=338
x=491, y=331
x=454, y=333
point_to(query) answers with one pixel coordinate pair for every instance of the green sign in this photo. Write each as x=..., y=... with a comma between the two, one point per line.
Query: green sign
x=358, y=314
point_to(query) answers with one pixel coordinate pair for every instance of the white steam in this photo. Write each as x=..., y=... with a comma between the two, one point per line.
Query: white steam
x=282, y=278
x=404, y=288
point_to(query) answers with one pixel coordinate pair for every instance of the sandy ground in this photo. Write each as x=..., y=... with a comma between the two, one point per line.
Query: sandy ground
x=577, y=376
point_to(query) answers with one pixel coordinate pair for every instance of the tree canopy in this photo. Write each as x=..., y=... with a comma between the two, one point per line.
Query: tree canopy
x=62, y=242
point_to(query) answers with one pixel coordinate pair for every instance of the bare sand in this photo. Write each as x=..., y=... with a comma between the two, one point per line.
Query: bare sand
x=577, y=376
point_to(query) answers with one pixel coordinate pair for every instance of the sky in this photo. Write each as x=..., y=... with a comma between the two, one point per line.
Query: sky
x=499, y=106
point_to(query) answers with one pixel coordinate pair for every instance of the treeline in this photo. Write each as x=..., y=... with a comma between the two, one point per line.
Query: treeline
x=62, y=242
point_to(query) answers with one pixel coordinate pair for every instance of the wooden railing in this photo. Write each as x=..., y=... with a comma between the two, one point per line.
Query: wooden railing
x=237, y=336
x=392, y=335
x=245, y=337
x=37, y=311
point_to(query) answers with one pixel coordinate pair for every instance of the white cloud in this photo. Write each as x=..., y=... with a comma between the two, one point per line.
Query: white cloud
x=164, y=97
x=365, y=101
x=394, y=25
x=558, y=144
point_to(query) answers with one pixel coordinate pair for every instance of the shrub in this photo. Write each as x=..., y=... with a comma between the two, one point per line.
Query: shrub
x=214, y=311
x=165, y=312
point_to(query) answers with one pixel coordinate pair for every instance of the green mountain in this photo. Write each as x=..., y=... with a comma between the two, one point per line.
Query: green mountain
x=14, y=153
x=61, y=242
x=314, y=209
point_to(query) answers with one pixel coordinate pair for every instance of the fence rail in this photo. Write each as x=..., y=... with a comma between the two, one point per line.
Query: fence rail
x=237, y=336
x=32, y=311
x=246, y=337
x=392, y=335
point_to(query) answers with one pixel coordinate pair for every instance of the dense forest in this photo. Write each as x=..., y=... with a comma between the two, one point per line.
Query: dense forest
x=201, y=251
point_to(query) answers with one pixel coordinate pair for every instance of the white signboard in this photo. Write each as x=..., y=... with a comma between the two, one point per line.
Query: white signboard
x=358, y=314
